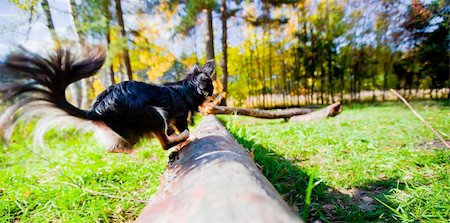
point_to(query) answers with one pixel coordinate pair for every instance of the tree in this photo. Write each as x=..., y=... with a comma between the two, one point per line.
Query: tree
x=48, y=16
x=126, y=55
x=224, y=50
x=188, y=22
x=107, y=13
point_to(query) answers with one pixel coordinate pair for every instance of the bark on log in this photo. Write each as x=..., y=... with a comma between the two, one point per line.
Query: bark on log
x=296, y=113
x=329, y=111
x=215, y=180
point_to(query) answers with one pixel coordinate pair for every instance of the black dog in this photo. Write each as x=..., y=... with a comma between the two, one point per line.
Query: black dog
x=121, y=115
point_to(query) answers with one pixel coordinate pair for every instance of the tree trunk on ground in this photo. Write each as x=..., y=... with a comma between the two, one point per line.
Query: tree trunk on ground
x=126, y=55
x=215, y=179
x=334, y=109
x=224, y=51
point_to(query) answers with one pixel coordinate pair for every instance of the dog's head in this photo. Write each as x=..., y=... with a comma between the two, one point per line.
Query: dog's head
x=202, y=78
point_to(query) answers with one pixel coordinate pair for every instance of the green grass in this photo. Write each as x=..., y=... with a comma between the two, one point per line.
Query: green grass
x=39, y=185
x=369, y=164
x=372, y=163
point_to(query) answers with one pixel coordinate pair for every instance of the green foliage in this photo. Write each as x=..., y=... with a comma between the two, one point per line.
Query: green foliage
x=372, y=163
x=25, y=4
x=191, y=10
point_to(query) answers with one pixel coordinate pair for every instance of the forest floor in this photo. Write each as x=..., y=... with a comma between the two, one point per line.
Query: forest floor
x=372, y=163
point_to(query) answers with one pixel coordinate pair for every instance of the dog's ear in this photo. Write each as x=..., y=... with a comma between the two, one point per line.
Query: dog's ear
x=209, y=67
x=195, y=69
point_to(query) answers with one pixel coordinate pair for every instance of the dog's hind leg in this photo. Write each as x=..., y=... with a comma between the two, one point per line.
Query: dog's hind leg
x=160, y=131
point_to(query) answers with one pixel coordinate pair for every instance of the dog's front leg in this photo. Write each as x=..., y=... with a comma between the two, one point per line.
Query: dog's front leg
x=182, y=125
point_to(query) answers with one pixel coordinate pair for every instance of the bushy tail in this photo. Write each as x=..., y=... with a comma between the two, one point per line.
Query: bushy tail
x=32, y=85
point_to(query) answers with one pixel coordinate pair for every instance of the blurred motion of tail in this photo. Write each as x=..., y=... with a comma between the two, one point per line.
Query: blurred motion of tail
x=32, y=85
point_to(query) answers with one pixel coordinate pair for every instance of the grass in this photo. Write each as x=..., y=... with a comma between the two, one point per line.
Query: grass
x=372, y=163
x=39, y=185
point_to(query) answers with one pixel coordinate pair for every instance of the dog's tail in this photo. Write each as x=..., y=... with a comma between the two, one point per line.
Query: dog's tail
x=32, y=85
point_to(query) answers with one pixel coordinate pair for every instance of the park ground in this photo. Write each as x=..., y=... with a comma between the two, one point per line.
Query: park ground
x=373, y=163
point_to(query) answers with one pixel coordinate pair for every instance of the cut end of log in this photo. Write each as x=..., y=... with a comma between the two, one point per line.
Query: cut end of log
x=329, y=111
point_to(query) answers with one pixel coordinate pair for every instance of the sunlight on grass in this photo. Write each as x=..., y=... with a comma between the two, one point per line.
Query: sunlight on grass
x=368, y=152
x=42, y=188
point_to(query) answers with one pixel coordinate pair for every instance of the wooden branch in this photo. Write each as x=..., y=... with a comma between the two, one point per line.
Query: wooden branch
x=285, y=113
x=215, y=180
x=421, y=119
x=295, y=114
x=329, y=111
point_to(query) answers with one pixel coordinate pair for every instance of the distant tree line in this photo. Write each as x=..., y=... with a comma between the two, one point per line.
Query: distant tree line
x=289, y=53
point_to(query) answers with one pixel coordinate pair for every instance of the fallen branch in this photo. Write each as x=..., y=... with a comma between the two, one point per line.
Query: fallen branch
x=215, y=180
x=331, y=110
x=224, y=110
x=421, y=119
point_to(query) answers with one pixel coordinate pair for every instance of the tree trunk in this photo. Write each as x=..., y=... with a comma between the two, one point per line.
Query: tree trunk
x=73, y=7
x=126, y=55
x=210, y=37
x=48, y=16
x=215, y=179
x=108, y=36
x=333, y=109
x=74, y=88
x=83, y=84
x=224, y=51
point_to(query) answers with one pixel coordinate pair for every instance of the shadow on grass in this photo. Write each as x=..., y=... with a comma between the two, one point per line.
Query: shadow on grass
x=327, y=204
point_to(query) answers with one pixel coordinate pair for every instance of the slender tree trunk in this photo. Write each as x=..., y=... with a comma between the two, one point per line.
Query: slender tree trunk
x=48, y=16
x=322, y=81
x=85, y=84
x=264, y=70
x=224, y=51
x=270, y=99
x=210, y=37
x=108, y=36
x=73, y=88
x=126, y=55
x=330, y=76
x=384, y=81
x=250, y=65
x=284, y=79
x=260, y=73
x=73, y=7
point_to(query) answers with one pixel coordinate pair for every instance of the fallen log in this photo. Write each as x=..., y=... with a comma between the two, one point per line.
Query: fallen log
x=285, y=113
x=215, y=180
x=329, y=111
